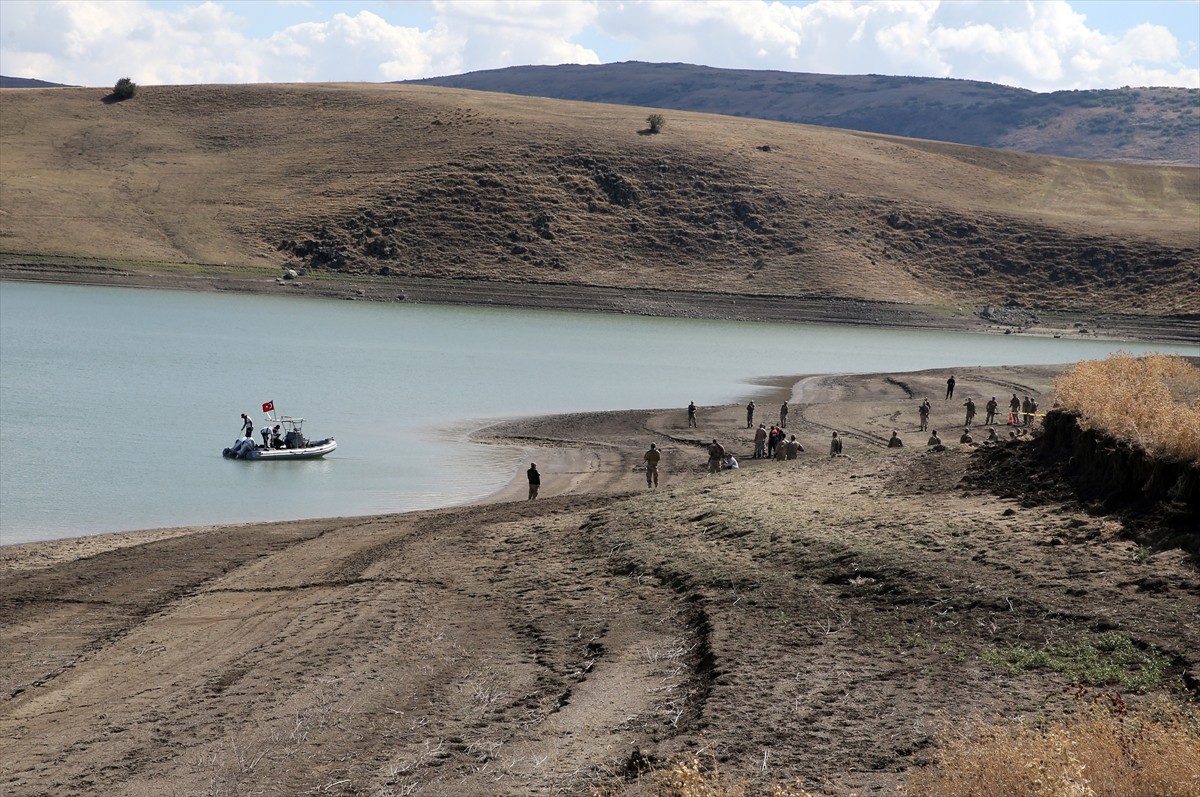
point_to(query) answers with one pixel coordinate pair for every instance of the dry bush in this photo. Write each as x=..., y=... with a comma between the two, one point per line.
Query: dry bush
x=1152, y=401
x=1102, y=752
x=690, y=778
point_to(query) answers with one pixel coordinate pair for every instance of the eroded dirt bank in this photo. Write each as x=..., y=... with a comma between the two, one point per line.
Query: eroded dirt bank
x=665, y=303
x=797, y=619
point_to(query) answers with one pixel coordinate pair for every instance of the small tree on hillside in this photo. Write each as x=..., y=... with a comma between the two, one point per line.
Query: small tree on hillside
x=124, y=89
x=656, y=122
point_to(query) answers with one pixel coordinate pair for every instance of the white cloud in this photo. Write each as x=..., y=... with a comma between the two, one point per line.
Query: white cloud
x=1042, y=45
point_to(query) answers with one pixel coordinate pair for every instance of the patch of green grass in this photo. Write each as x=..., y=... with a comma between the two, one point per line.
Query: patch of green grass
x=1108, y=659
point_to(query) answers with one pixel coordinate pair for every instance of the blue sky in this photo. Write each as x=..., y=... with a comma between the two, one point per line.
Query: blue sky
x=1042, y=45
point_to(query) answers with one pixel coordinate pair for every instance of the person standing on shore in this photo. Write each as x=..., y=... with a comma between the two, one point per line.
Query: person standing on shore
x=716, y=453
x=535, y=480
x=783, y=413
x=950, y=387
x=923, y=412
x=835, y=446
x=750, y=415
x=652, y=457
x=1027, y=409
x=793, y=448
x=692, y=414
x=991, y=408
x=970, y=405
x=772, y=441
x=760, y=441
x=1014, y=406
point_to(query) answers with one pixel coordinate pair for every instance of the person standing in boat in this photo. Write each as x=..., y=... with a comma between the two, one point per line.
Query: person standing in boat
x=266, y=435
x=247, y=426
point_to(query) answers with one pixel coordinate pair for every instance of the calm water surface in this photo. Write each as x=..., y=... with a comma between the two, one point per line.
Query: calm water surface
x=115, y=404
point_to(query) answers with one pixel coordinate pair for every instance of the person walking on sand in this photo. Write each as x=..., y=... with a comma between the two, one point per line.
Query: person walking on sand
x=692, y=414
x=652, y=457
x=535, y=480
x=783, y=412
x=716, y=453
x=923, y=412
x=991, y=408
x=760, y=441
x=950, y=387
x=835, y=446
x=750, y=415
x=970, y=405
x=895, y=441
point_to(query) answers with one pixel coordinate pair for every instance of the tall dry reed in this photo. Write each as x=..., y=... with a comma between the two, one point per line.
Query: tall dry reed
x=1151, y=401
x=1102, y=752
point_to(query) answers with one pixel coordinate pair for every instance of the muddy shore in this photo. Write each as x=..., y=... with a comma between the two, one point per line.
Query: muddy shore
x=549, y=296
x=816, y=619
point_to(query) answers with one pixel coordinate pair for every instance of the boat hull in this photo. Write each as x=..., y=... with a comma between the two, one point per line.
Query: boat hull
x=312, y=451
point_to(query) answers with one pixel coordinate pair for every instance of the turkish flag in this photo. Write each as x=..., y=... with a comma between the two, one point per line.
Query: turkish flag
x=270, y=405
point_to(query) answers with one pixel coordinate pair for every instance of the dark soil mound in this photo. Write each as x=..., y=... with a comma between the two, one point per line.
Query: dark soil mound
x=1157, y=501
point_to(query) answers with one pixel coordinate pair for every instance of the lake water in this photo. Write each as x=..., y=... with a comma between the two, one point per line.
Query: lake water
x=115, y=404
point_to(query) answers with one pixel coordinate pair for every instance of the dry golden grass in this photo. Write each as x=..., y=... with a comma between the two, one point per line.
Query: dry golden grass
x=400, y=181
x=1102, y=752
x=1151, y=401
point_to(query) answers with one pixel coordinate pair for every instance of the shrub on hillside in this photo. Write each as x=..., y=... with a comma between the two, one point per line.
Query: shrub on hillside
x=124, y=90
x=1152, y=401
x=655, y=122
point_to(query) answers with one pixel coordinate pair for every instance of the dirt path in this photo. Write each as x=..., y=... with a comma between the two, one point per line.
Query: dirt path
x=790, y=619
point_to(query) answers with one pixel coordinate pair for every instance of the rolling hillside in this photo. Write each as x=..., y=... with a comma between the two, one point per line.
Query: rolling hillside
x=400, y=181
x=1148, y=125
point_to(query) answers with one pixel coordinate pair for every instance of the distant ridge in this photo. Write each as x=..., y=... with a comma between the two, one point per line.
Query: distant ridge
x=7, y=82
x=1151, y=125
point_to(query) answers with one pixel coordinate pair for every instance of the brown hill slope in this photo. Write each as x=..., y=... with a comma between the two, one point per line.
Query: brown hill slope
x=417, y=181
x=1148, y=125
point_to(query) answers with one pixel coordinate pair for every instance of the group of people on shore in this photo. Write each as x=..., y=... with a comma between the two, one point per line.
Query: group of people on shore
x=774, y=443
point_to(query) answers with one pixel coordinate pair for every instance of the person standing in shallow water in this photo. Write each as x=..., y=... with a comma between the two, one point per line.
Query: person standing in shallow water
x=950, y=388
x=692, y=414
x=651, y=458
x=535, y=480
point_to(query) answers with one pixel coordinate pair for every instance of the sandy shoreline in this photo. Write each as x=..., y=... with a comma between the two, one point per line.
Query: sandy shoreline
x=550, y=296
x=829, y=611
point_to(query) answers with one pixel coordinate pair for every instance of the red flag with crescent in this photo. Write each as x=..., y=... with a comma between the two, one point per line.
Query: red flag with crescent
x=267, y=407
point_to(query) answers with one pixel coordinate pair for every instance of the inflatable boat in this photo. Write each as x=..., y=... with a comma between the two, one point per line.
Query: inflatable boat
x=290, y=444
